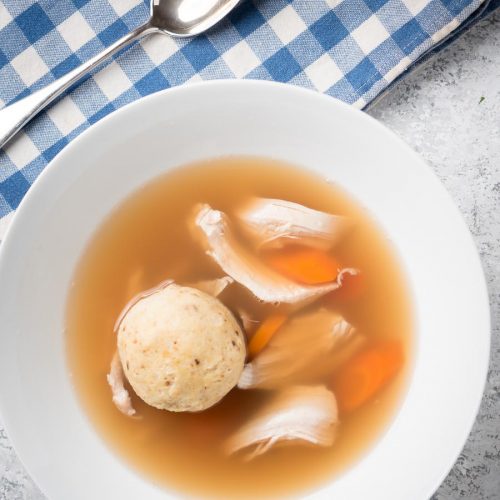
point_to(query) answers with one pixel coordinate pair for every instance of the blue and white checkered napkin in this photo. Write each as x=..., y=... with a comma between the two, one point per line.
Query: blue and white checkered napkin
x=349, y=49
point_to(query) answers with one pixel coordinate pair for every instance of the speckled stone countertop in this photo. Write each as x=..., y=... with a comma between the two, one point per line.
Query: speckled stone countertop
x=449, y=112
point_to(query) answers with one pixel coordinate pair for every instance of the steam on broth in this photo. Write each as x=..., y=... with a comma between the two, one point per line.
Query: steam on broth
x=312, y=318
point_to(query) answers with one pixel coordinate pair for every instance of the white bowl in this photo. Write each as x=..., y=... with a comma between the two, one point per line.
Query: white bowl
x=48, y=428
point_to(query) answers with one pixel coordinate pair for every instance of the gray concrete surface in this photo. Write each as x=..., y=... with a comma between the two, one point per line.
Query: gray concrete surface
x=449, y=111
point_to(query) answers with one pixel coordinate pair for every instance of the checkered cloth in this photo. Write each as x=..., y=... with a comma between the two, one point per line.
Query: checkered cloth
x=349, y=49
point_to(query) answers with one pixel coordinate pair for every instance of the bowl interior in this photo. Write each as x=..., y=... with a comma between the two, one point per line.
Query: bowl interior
x=132, y=146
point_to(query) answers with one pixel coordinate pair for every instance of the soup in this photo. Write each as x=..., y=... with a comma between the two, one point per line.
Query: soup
x=146, y=240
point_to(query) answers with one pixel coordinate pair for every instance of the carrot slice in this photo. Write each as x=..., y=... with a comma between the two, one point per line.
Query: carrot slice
x=304, y=265
x=367, y=373
x=264, y=333
x=353, y=287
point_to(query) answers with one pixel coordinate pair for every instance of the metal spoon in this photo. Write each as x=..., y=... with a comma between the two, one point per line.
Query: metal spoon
x=178, y=18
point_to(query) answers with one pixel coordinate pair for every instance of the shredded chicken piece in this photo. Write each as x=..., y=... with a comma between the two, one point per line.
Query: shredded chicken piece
x=213, y=287
x=302, y=350
x=299, y=413
x=116, y=380
x=245, y=268
x=346, y=351
x=275, y=223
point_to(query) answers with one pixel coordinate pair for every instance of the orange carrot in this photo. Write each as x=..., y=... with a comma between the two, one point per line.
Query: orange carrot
x=367, y=373
x=305, y=265
x=264, y=333
x=353, y=287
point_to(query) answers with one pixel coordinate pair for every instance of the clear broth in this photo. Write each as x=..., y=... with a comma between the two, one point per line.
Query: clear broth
x=144, y=241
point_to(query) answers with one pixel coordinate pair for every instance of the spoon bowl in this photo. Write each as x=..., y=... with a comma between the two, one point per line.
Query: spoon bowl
x=185, y=18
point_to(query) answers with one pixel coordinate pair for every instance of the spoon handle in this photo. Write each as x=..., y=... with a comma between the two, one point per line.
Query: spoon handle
x=15, y=116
